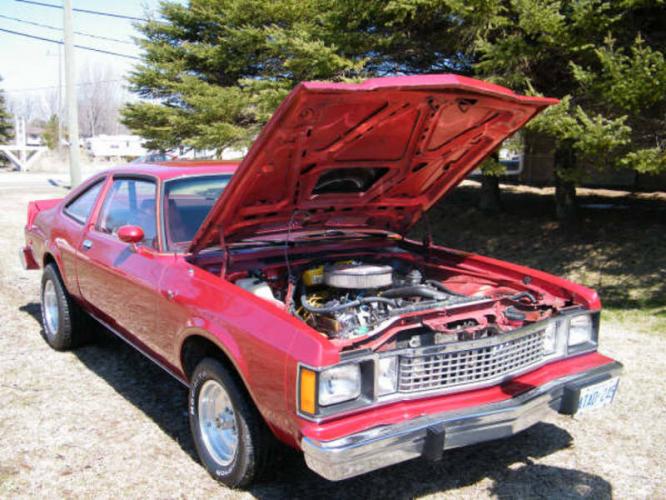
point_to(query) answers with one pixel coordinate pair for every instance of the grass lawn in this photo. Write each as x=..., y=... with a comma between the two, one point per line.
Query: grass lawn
x=618, y=246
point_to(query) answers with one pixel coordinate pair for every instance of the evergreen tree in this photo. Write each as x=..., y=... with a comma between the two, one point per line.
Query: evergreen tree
x=6, y=127
x=215, y=70
x=50, y=133
x=603, y=58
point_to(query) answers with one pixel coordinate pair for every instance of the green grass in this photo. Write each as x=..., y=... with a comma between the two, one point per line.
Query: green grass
x=644, y=320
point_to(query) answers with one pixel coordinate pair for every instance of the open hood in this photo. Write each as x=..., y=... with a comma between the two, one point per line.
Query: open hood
x=373, y=155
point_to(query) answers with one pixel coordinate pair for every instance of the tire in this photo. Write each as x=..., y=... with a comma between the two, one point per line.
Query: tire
x=252, y=456
x=63, y=321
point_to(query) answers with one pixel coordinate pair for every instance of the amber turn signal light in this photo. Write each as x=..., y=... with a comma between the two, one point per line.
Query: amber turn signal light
x=307, y=392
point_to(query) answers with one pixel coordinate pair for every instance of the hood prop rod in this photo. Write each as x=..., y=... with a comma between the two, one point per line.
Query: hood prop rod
x=427, y=237
x=225, y=253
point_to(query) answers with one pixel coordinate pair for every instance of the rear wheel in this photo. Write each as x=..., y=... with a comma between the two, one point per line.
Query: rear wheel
x=62, y=319
x=231, y=438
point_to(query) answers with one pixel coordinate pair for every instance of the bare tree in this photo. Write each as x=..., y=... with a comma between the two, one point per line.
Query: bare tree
x=52, y=104
x=100, y=93
x=27, y=106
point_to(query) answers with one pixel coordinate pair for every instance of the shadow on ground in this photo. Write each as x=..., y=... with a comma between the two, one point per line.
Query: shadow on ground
x=509, y=463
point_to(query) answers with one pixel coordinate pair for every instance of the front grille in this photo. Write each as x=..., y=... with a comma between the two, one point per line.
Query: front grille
x=470, y=366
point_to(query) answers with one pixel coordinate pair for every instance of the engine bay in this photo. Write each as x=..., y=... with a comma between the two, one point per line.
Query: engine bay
x=350, y=299
x=399, y=299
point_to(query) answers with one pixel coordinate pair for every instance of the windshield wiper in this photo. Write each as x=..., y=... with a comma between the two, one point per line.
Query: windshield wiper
x=336, y=233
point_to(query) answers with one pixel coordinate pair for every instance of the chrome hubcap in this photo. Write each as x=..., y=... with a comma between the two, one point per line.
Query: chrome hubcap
x=217, y=422
x=50, y=309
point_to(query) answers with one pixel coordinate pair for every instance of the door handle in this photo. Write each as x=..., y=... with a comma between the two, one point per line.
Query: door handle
x=87, y=244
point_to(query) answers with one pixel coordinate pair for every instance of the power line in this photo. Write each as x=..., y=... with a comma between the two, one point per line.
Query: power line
x=59, y=42
x=82, y=33
x=50, y=87
x=85, y=11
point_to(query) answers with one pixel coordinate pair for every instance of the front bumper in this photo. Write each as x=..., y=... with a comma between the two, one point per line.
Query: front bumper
x=430, y=435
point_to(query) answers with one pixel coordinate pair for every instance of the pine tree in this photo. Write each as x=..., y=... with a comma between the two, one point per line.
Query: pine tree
x=50, y=133
x=603, y=58
x=215, y=70
x=6, y=128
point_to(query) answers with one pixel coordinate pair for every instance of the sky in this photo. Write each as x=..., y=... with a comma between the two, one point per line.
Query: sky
x=28, y=66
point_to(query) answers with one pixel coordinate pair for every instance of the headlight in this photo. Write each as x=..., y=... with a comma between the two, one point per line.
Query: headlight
x=387, y=375
x=555, y=339
x=581, y=329
x=338, y=384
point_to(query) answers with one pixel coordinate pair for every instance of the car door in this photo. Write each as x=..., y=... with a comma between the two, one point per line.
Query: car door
x=119, y=280
x=69, y=233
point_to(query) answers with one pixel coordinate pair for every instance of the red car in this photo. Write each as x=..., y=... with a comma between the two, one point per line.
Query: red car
x=284, y=294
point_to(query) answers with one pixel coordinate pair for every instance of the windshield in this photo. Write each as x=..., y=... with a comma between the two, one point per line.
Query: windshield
x=186, y=205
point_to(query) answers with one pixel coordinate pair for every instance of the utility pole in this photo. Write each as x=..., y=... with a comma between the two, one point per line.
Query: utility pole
x=60, y=110
x=70, y=96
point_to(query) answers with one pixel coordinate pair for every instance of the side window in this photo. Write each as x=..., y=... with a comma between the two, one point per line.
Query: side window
x=130, y=202
x=80, y=207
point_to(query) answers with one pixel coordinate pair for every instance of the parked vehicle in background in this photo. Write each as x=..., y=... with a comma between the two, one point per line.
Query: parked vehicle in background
x=114, y=146
x=155, y=157
x=283, y=292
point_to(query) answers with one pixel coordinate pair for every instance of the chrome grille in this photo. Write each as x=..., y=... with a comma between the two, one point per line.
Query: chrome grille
x=470, y=366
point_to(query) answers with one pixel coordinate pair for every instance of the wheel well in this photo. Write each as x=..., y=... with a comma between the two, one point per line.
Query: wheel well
x=195, y=348
x=48, y=259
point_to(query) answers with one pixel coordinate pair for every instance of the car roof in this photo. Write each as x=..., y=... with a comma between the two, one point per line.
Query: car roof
x=177, y=168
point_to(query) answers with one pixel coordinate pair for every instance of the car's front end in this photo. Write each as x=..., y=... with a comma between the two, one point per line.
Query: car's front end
x=422, y=401
x=419, y=349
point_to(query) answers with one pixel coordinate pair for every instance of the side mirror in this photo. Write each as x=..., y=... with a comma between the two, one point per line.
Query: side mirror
x=130, y=234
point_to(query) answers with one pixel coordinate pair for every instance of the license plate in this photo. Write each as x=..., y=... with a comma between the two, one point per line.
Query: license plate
x=597, y=396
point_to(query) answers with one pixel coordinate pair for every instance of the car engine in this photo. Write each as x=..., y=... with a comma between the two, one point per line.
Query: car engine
x=350, y=299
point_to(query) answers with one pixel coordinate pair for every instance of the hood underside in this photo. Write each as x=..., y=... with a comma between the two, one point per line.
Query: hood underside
x=374, y=155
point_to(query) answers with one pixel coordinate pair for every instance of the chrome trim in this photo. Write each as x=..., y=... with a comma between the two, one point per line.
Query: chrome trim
x=390, y=444
x=142, y=351
x=50, y=311
x=217, y=422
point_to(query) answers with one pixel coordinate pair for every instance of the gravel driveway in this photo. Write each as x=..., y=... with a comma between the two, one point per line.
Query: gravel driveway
x=104, y=422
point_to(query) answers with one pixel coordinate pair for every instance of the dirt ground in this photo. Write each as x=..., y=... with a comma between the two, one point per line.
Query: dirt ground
x=104, y=422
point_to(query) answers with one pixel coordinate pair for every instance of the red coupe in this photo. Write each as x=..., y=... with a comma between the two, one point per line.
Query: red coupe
x=284, y=294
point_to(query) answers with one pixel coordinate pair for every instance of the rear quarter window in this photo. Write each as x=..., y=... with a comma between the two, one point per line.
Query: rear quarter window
x=80, y=207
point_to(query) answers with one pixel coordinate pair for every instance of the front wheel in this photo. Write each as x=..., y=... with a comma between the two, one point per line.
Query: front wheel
x=231, y=438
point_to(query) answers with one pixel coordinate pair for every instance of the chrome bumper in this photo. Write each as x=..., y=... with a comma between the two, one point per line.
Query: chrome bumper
x=430, y=435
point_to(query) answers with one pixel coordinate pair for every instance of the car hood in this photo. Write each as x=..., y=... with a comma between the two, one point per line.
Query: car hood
x=372, y=155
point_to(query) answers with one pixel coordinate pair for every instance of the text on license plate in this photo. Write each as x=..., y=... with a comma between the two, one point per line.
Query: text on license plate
x=597, y=395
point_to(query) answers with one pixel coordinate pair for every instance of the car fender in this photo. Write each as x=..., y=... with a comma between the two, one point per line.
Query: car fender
x=223, y=340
